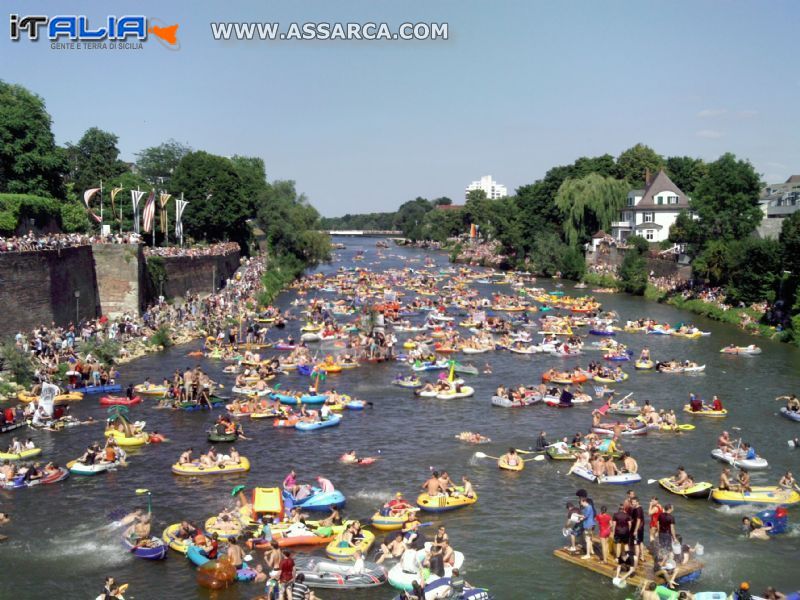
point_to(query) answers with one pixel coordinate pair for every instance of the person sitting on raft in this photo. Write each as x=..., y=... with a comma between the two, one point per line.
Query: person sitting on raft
x=186, y=457
x=743, y=478
x=432, y=487
x=724, y=442
x=716, y=404
x=511, y=458
x=398, y=505
x=792, y=402
x=788, y=482
x=695, y=403
x=290, y=483
x=629, y=464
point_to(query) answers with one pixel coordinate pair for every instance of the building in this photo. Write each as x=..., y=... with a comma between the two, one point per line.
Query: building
x=491, y=188
x=778, y=201
x=650, y=212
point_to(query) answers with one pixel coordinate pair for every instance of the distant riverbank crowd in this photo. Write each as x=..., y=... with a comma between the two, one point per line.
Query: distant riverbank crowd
x=32, y=242
x=486, y=254
x=219, y=249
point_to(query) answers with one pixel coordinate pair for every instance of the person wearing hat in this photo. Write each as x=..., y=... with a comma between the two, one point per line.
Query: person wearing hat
x=743, y=593
x=398, y=505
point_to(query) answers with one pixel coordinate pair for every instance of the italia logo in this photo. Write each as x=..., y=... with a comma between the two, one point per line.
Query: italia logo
x=127, y=29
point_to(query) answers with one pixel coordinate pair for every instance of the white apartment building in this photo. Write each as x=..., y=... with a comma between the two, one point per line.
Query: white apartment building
x=650, y=212
x=491, y=188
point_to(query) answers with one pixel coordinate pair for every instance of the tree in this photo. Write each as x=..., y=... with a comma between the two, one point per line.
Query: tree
x=438, y=225
x=546, y=254
x=158, y=163
x=686, y=172
x=589, y=204
x=93, y=159
x=633, y=270
x=253, y=175
x=714, y=262
x=726, y=201
x=573, y=263
x=536, y=207
x=30, y=161
x=410, y=215
x=217, y=209
x=684, y=229
x=754, y=271
x=790, y=243
x=476, y=195
x=634, y=162
x=442, y=201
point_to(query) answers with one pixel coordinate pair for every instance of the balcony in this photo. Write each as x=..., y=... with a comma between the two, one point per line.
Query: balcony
x=622, y=225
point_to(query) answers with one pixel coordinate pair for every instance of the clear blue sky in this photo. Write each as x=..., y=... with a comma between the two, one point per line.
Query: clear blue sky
x=519, y=87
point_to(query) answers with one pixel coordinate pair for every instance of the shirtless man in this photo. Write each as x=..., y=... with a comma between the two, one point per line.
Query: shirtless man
x=393, y=549
x=432, y=487
x=679, y=480
x=511, y=458
x=744, y=481
x=610, y=468
x=272, y=558
x=629, y=464
x=469, y=491
x=724, y=442
x=725, y=480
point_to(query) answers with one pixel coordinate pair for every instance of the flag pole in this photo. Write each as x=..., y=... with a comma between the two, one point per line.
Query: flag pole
x=101, y=207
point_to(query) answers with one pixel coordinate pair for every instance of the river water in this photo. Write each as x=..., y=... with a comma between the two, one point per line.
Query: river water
x=61, y=546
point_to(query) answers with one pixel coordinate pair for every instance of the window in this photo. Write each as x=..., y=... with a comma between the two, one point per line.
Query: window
x=660, y=200
x=630, y=200
x=649, y=217
x=648, y=234
x=673, y=200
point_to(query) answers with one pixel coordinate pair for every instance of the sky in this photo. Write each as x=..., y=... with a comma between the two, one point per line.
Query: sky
x=361, y=126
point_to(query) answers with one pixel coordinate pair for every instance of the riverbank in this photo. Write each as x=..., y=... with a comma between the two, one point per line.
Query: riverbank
x=745, y=318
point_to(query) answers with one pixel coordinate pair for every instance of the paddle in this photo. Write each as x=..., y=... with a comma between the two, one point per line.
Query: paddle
x=482, y=455
x=141, y=491
x=538, y=458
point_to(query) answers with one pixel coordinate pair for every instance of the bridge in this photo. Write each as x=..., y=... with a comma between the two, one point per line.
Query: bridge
x=365, y=233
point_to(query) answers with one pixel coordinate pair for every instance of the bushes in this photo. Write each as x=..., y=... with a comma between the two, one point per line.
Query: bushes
x=161, y=338
x=105, y=351
x=280, y=273
x=17, y=209
x=16, y=362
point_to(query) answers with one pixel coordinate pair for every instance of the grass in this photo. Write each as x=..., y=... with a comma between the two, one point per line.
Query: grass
x=598, y=280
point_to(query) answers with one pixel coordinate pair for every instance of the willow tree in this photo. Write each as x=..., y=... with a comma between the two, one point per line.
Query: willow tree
x=589, y=204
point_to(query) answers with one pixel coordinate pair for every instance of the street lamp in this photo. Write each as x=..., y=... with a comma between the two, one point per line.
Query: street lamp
x=77, y=305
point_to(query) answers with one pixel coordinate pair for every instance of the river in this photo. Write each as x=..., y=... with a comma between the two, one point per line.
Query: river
x=61, y=546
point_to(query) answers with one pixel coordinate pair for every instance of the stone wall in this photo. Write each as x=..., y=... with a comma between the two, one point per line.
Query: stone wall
x=39, y=288
x=202, y=274
x=611, y=257
x=120, y=278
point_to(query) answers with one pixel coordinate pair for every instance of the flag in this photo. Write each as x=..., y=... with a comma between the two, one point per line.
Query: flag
x=179, y=206
x=136, y=195
x=149, y=212
x=87, y=197
x=163, y=198
x=114, y=193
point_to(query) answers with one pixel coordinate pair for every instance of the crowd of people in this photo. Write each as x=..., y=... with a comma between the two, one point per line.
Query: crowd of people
x=32, y=242
x=218, y=249
x=487, y=254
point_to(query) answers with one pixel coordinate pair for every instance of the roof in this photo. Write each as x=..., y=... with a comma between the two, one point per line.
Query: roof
x=449, y=206
x=793, y=179
x=599, y=235
x=662, y=183
x=636, y=193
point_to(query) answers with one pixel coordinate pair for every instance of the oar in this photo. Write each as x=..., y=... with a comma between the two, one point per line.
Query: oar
x=149, y=498
x=538, y=458
x=482, y=455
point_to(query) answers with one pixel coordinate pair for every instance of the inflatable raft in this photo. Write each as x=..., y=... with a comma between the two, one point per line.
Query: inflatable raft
x=198, y=470
x=444, y=503
x=751, y=464
x=621, y=479
x=698, y=490
x=757, y=495
x=321, y=573
x=331, y=421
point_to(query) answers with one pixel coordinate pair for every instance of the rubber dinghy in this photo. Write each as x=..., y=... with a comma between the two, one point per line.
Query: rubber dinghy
x=157, y=550
x=621, y=479
x=440, y=588
x=323, y=573
x=19, y=482
x=403, y=580
x=316, y=500
x=746, y=463
x=331, y=421
x=790, y=414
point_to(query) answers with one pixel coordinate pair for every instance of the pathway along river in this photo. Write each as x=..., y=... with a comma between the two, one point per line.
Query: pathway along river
x=60, y=545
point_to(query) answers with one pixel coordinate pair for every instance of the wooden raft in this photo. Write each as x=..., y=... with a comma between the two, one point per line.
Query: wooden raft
x=644, y=569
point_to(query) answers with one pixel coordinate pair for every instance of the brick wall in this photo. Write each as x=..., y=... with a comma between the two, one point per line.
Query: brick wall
x=120, y=278
x=197, y=274
x=39, y=287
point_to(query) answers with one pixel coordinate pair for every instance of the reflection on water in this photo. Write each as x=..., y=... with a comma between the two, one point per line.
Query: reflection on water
x=61, y=545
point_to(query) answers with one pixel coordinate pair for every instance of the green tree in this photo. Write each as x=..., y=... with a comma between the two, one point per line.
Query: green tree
x=217, y=209
x=714, y=262
x=253, y=175
x=755, y=270
x=443, y=201
x=438, y=225
x=633, y=270
x=410, y=217
x=790, y=243
x=158, y=163
x=573, y=263
x=634, y=162
x=546, y=254
x=589, y=204
x=726, y=201
x=686, y=172
x=93, y=159
x=476, y=195
x=30, y=161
